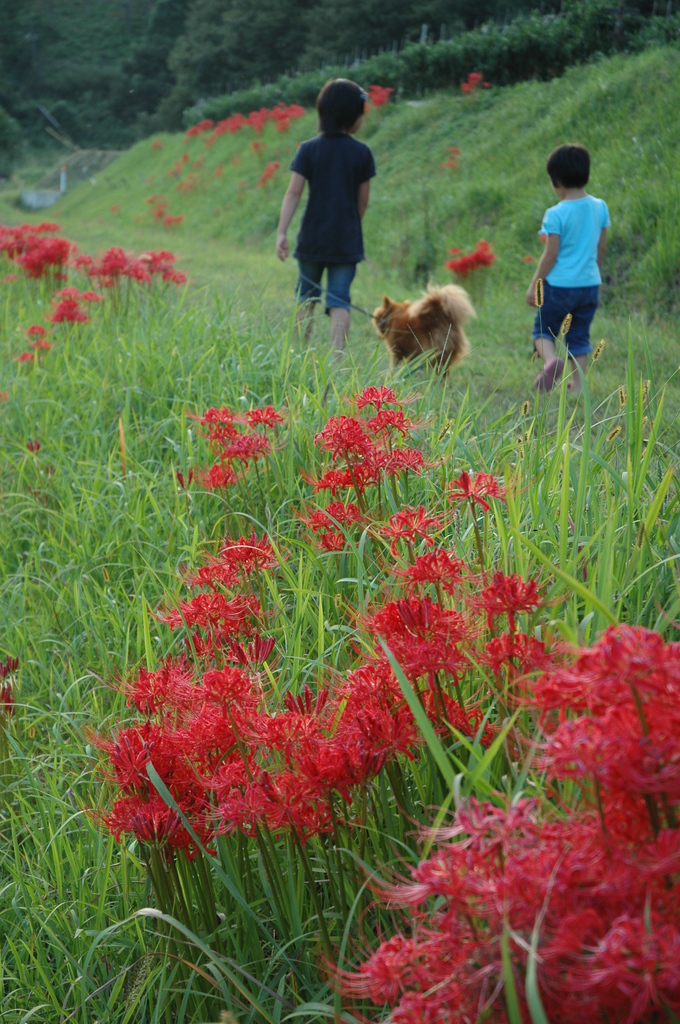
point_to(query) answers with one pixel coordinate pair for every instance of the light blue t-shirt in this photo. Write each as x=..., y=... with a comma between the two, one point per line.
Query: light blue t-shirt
x=578, y=222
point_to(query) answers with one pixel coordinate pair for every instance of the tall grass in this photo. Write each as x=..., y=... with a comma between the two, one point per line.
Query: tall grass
x=95, y=532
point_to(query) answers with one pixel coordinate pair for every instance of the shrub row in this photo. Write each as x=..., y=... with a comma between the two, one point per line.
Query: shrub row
x=531, y=47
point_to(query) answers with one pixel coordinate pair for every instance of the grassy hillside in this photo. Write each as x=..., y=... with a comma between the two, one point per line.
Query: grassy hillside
x=623, y=109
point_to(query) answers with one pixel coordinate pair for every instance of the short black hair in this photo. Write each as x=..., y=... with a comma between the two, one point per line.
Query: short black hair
x=569, y=166
x=339, y=105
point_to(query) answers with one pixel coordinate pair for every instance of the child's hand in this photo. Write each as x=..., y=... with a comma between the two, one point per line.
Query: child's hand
x=531, y=295
x=282, y=247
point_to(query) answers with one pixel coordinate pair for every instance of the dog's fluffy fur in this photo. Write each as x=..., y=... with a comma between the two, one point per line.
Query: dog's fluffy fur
x=434, y=324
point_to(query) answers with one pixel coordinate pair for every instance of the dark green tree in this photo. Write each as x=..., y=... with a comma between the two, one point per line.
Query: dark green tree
x=145, y=78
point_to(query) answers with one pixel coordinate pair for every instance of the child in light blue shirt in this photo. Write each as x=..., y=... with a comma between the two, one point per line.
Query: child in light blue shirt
x=575, y=234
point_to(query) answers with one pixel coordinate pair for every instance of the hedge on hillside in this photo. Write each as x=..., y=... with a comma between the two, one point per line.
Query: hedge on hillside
x=531, y=47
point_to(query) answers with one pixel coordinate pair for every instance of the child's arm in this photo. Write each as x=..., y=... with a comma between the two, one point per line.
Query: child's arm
x=362, y=198
x=601, y=247
x=288, y=208
x=545, y=265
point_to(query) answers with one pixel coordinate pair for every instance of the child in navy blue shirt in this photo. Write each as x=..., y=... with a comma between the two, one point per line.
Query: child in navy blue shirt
x=576, y=237
x=338, y=170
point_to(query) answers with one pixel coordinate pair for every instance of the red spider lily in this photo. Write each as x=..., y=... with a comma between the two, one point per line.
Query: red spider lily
x=68, y=311
x=197, y=129
x=473, y=82
x=41, y=345
x=408, y=524
x=7, y=669
x=181, y=481
x=237, y=560
x=345, y=438
x=41, y=255
x=332, y=541
x=156, y=144
x=336, y=513
x=169, y=688
x=4, y=396
x=216, y=614
x=465, y=265
x=528, y=259
x=36, y=331
x=389, y=419
x=217, y=477
x=424, y=637
x=518, y=654
x=267, y=417
x=10, y=278
x=626, y=660
x=439, y=567
x=24, y=357
x=359, y=476
x=401, y=460
x=257, y=652
x=268, y=173
x=172, y=222
x=508, y=595
x=245, y=448
x=476, y=489
x=379, y=95
x=375, y=396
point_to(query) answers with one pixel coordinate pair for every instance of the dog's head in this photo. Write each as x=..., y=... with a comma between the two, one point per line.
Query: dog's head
x=384, y=314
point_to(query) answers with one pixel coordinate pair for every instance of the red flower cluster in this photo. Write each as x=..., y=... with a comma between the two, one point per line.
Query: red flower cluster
x=159, y=205
x=598, y=883
x=32, y=249
x=268, y=173
x=370, y=448
x=115, y=264
x=465, y=265
x=236, y=441
x=476, y=490
x=474, y=81
x=452, y=163
x=379, y=95
x=7, y=669
x=330, y=522
x=67, y=308
x=281, y=115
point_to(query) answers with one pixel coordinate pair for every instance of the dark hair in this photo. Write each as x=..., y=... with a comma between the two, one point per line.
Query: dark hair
x=569, y=166
x=339, y=105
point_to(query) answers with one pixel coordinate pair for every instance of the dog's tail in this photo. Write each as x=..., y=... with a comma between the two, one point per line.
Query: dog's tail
x=455, y=302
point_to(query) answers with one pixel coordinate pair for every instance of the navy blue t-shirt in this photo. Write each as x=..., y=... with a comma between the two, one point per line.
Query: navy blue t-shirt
x=334, y=166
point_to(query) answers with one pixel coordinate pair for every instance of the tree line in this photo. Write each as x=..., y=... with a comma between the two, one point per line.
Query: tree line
x=104, y=72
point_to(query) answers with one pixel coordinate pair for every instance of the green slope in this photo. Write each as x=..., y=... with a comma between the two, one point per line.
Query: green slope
x=624, y=109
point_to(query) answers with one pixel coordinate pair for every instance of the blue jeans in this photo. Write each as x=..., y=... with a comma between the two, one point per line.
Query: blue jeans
x=339, y=278
x=557, y=302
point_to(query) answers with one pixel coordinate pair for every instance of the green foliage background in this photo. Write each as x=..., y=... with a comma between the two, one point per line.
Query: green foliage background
x=110, y=71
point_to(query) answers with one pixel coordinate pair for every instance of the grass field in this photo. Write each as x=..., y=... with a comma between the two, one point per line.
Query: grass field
x=98, y=533
x=420, y=209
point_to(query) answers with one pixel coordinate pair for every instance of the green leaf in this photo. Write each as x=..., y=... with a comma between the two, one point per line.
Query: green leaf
x=536, y=1011
x=511, y=998
x=424, y=724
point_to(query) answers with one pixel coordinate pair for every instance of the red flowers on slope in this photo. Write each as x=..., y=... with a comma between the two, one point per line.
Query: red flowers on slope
x=464, y=265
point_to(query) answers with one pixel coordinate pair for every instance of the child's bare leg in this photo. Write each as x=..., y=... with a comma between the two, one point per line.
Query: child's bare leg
x=304, y=319
x=575, y=384
x=546, y=349
x=339, y=328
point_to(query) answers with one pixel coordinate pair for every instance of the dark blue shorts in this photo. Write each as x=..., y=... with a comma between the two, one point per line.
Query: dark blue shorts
x=557, y=302
x=338, y=279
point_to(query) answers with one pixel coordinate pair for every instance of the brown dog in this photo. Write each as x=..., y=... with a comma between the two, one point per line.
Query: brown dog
x=434, y=323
